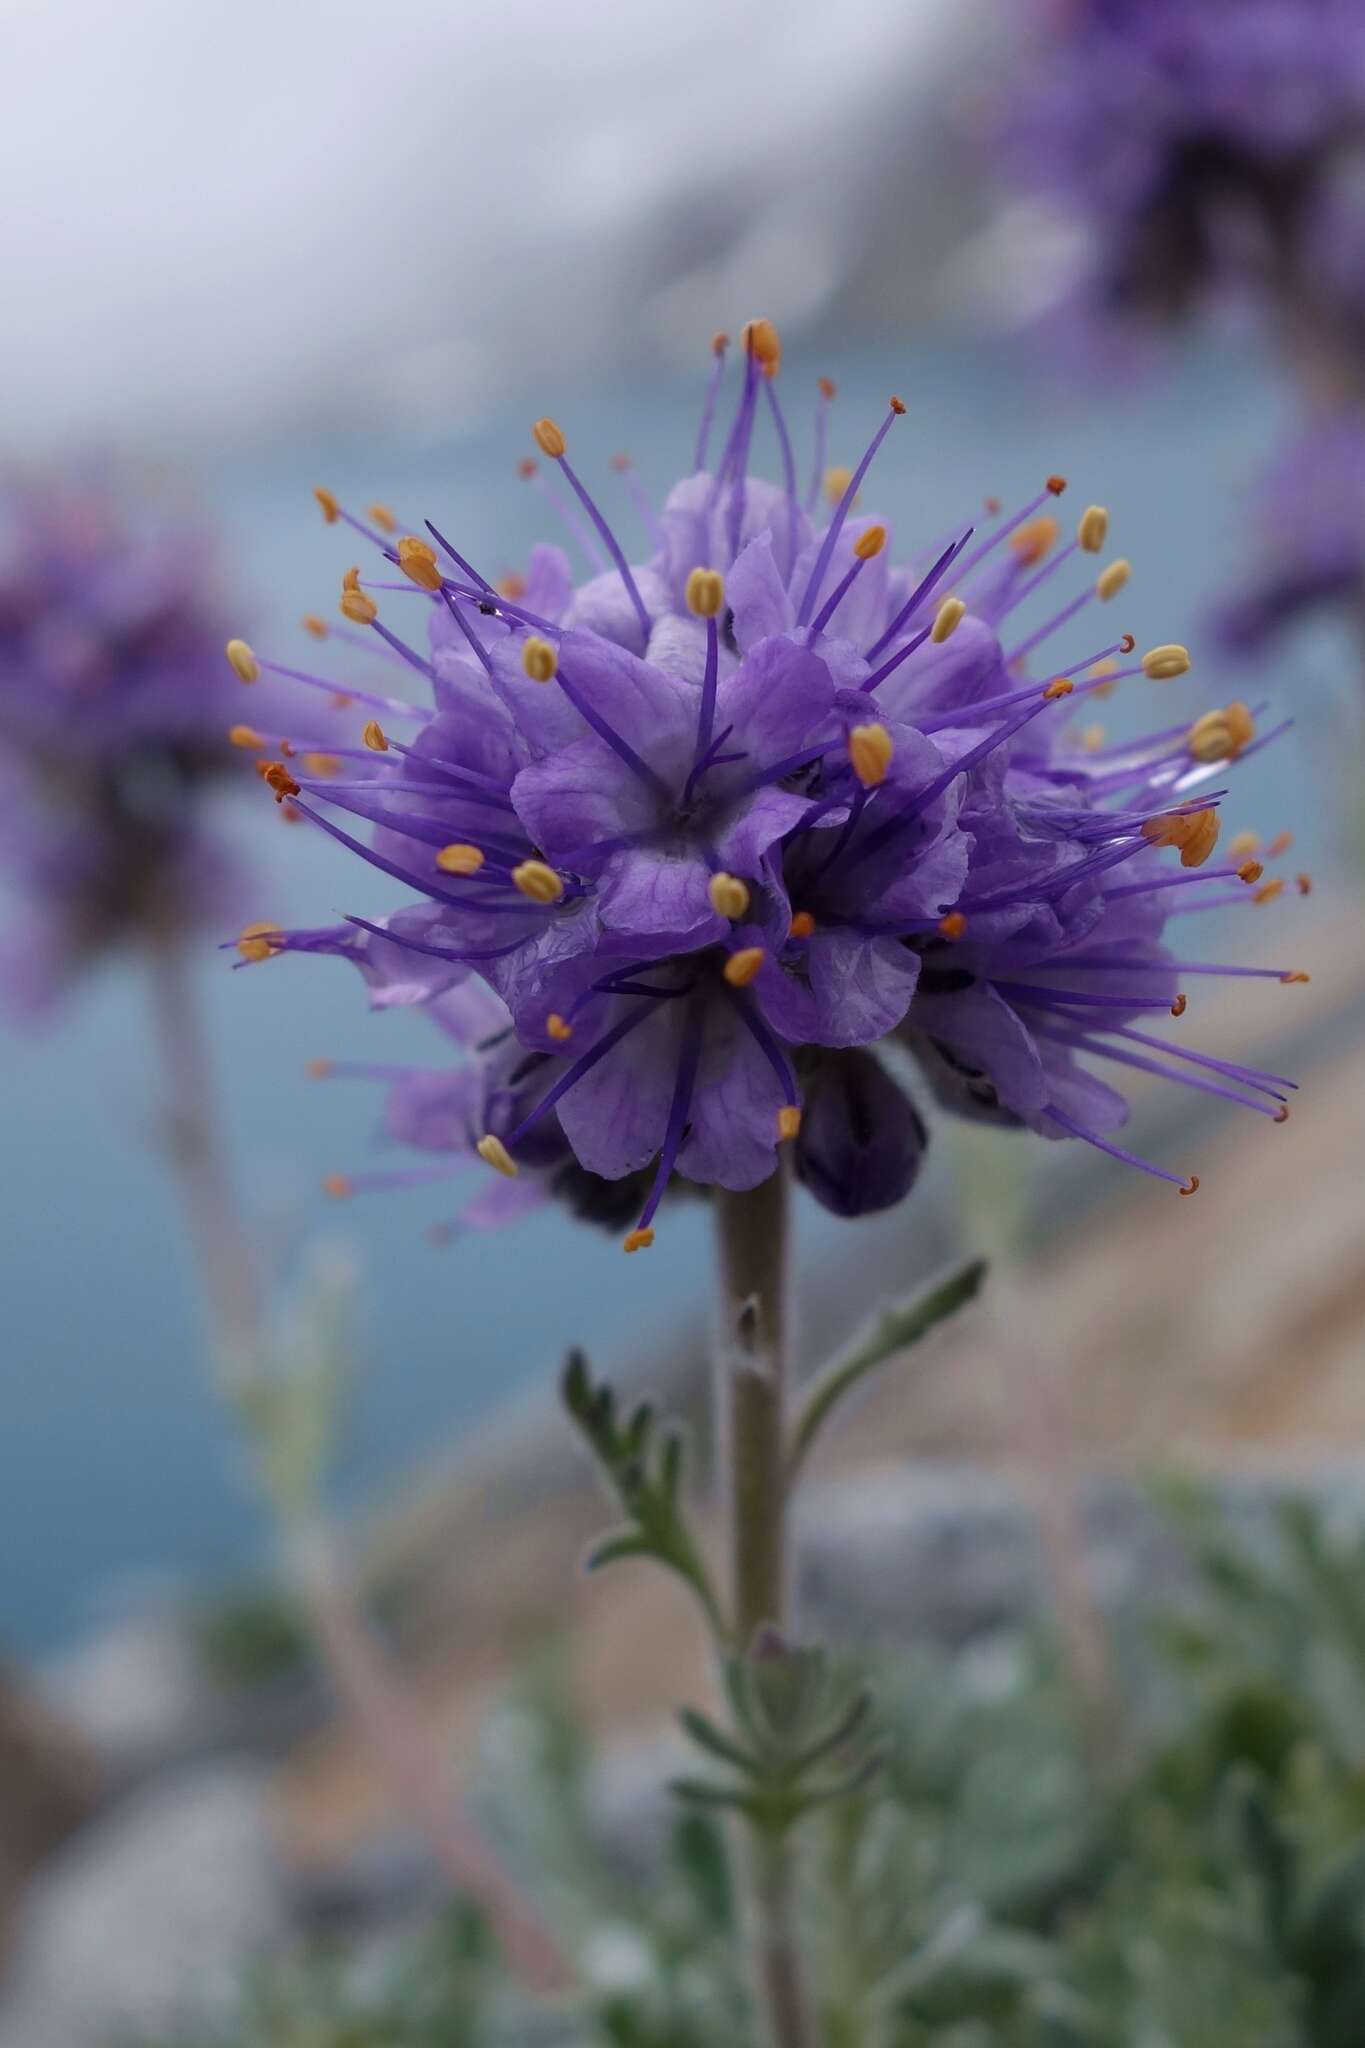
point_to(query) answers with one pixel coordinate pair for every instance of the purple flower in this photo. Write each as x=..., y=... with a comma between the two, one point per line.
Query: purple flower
x=705, y=829
x=1193, y=142
x=115, y=703
x=1308, y=549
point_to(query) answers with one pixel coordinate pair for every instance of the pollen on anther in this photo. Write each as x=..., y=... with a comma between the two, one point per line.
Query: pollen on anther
x=549, y=439
x=1112, y=579
x=338, y=1186
x=742, y=966
x=1250, y=871
x=383, y=518
x=953, y=925
x=1180, y=1005
x=260, y=941
x=1093, y=529
x=1190, y=1187
x=1281, y=843
x=242, y=661
x=460, y=858
x=494, y=1153
x=360, y=608
x=638, y=1240
x=897, y=406
x=557, y=1028
x=374, y=737
x=318, y=1070
x=719, y=344
x=788, y=1121
x=870, y=748
x=705, y=593
x=729, y=896
x=947, y=619
x=1060, y=686
x=1296, y=976
x=538, y=881
x=278, y=778
x=836, y=481
x=1164, y=663
x=1035, y=540
x=318, y=628
x=802, y=925
x=539, y=659
x=762, y=342
x=417, y=560
x=322, y=766
x=1056, y=484
x=1268, y=891
x=870, y=543
x=245, y=736
x=331, y=510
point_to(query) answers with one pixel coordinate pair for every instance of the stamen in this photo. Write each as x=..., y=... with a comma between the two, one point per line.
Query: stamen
x=551, y=442
x=679, y=1111
x=826, y=389
x=865, y=549
x=1056, y=485
x=1078, y=1130
x=719, y=344
x=495, y=1154
x=538, y=881
x=1194, y=832
x=322, y=766
x=373, y=735
x=417, y=560
x=1093, y=529
x=311, y=623
x=729, y=896
x=1245, y=842
x=331, y=510
x=760, y=339
x=539, y=659
x=557, y=1027
x=1281, y=843
x=277, y=777
x=845, y=505
x=243, y=662
x=260, y=941
x=1180, y=1005
x=742, y=966
x=1165, y=662
x=1304, y=884
x=359, y=608
x=870, y=748
x=802, y=925
x=245, y=736
x=705, y=593
x=952, y=926
x=1268, y=891
x=1221, y=735
x=837, y=479
x=1112, y=579
x=915, y=600
x=637, y=1240
x=318, y=1070
x=459, y=859
x=338, y=1186
x=788, y=1122
x=383, y=517
x=1038, y=538
x=1060, y=686
x=947, y=619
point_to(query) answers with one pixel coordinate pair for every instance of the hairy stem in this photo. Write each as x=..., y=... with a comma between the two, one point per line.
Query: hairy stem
x=753, y=1365
x=366, y=1681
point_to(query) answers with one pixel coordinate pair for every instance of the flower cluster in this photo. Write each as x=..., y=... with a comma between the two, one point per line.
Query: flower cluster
x=114, y=700
x=730, y=833
x=1198, y=144
x=1309, y=548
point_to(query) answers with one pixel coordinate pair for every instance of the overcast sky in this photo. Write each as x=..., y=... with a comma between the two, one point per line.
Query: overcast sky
x=216, y=218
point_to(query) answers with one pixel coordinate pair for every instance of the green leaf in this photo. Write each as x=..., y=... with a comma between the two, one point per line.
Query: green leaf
x=898, y=1328
x=712, y=1739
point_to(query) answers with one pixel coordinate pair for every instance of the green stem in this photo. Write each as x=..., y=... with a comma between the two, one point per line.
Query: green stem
x=753, y=1362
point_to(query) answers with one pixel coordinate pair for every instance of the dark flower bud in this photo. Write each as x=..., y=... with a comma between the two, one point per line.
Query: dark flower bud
x=861, y=1139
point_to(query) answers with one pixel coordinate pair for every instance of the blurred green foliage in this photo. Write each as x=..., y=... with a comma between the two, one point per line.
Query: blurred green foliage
x=984, y=1890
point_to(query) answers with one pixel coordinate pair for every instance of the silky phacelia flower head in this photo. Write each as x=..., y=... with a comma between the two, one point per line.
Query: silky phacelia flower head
x=716, y=828
x=1197, y=142
x=1308, y=544
x=113, y=700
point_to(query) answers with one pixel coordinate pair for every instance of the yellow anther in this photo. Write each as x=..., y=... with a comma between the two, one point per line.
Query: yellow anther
x=788, y=1121
x=870, y=748
x=1281, y=843
x=539, y=659
x=802, y=925
x=538, y=881
x=277, y=777
x=459, y=859
x=1180, y=1005
x=729, y=896
x=837, y=481
x=321, y=766
x=318, y=1070
x=360, y=608
x=1092, y=739
x=760, y=339
x=557, y=1028
x=1093, y=528
x=1245, y=842
x=421, y=570
x=331, y=511
x=952, y=926
x=705, y=593
x=260, y=941
x=243, y=662
x=375, y=737
x=512, y=585
x=870, y=543
x=1297, y=976
x=1250, y=871
x=947, y=619
x=1194, y=832
x=1221, y=735
x=741, y=967
x=1112, y=579
x=719, y=344
x=1036, y=539
x=638, y=1240
x=245, y=736
x=383, y=518
x=1163, y=663
x=1268, y=891
x=1060, y=686
x=351, y=580
x=495, y=1154
x=897, y=406
x=548, y=439
x=413, y=544
x=311, y=623
x=337, y=1186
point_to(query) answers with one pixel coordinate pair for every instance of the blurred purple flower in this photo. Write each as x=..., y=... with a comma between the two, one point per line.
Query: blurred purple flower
x=702, y=829
x=1308, y=545
x=113, y=709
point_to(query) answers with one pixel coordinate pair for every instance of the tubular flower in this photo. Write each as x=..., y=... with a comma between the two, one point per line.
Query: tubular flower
x=115, y=701
x=709, y=823
x=1196, y=145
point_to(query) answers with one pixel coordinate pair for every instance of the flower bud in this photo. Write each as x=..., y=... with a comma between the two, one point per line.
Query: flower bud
x=861, y=1140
